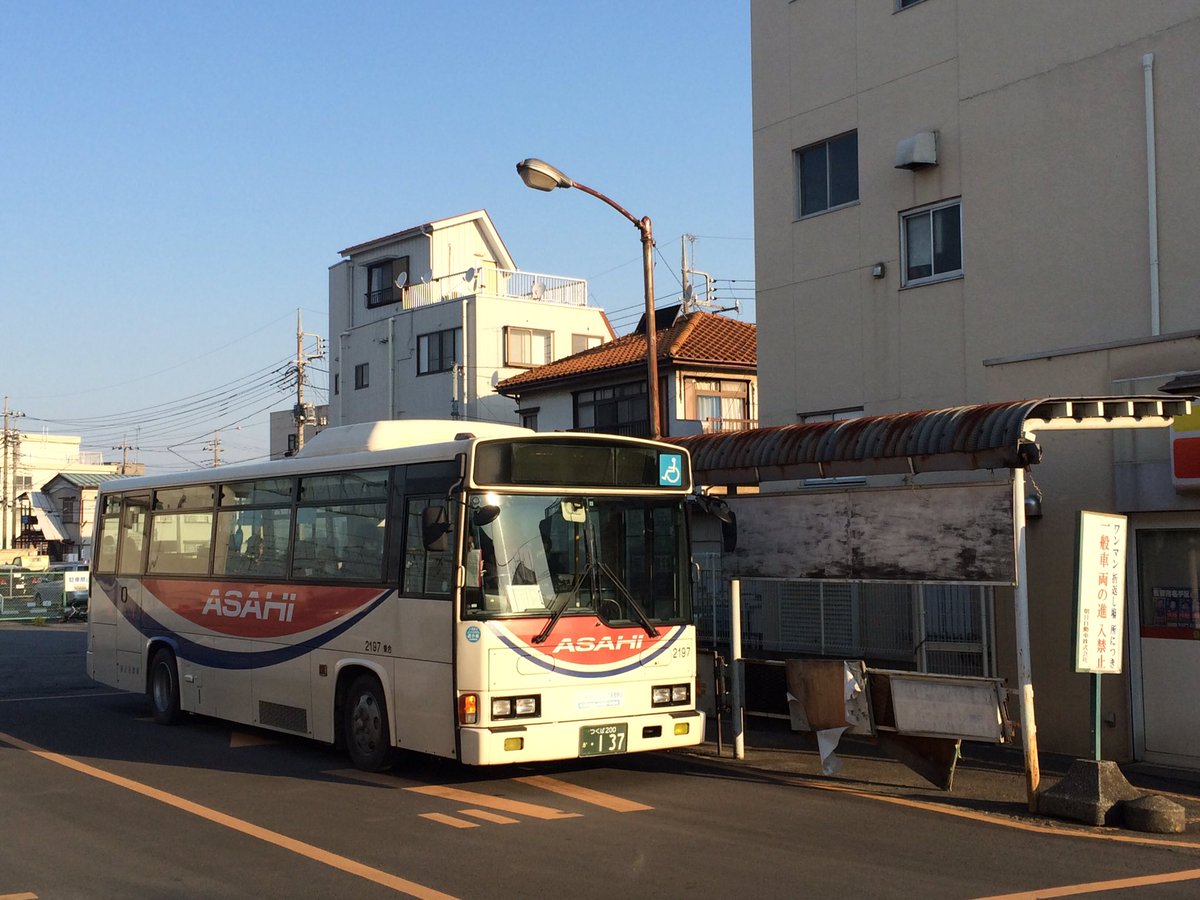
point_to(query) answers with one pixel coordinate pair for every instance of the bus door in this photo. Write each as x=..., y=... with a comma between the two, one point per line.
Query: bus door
x=131, y=557
x=424, y=688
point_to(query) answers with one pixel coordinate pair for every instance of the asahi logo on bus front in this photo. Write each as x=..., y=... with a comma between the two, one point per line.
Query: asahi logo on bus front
x=233, y=604
x=589, y=644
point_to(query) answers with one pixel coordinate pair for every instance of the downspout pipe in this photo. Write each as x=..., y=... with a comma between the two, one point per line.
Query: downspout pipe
x=1152, y=193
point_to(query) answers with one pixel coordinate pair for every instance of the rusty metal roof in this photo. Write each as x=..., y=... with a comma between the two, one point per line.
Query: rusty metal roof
x=986, y=436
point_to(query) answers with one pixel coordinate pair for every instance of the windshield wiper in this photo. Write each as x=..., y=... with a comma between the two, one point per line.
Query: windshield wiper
x=592, y=573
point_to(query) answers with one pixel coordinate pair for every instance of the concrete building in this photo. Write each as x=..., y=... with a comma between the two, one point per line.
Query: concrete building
x=283, y=428
x=30, y=462
x=706, y=366
x=425, y=322
x=961, y=202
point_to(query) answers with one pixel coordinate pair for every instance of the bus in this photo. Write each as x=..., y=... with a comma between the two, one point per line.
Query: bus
x=471, y=590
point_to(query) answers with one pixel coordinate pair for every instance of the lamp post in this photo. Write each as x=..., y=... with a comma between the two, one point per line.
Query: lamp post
x=541, y=176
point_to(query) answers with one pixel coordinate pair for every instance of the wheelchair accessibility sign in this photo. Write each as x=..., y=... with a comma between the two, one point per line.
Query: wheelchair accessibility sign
x=670, y=469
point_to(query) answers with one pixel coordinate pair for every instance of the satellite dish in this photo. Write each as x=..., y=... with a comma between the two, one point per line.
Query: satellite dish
x=425, y=278
x=537, y=290
x=688, y=294
x=469, y=275
x=401, y=280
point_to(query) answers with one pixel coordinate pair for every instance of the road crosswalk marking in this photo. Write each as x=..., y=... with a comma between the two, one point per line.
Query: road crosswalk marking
x=517, y=807
x=473, y=798
x=587, y=795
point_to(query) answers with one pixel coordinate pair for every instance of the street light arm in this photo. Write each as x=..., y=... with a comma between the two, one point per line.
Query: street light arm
x=637, y=223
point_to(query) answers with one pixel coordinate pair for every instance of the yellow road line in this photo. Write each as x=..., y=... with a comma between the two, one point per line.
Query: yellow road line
x=333, y=860
x=1071, y=890
x=587, y=795
x=495, y=818
x=458, y=795
x=449, y=820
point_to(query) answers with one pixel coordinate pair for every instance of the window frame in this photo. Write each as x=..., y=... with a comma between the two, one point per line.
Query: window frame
x=585, y=342
x=798, y=176
x=533, y=334
x=929, y=210
x=362, y=376
x=424, y=366
x=389, y=293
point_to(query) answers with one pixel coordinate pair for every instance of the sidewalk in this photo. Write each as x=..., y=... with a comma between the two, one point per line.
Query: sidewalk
x=989, y=780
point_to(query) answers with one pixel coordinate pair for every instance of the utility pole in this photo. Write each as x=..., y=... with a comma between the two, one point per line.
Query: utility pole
x=215, y=447
x=124, y=447
x=7, y=468
x=301, y=413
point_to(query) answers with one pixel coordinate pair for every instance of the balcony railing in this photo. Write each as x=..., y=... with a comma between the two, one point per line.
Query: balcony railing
x=514, y=285
x=717, y=426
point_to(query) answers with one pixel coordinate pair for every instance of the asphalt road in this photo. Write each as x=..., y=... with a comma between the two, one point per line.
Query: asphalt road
x=98, y=801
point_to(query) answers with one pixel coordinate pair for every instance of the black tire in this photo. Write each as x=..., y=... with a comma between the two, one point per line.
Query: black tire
x=162, y=688
x=365, y=725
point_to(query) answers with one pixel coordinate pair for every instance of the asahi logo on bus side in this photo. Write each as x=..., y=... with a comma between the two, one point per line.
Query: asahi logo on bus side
x=236, y=605
x=587, y=644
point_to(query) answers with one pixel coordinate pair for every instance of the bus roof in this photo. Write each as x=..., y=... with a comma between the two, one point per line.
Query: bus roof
x=394, y=434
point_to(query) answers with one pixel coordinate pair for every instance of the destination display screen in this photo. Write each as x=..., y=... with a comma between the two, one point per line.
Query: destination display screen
x=580, y=463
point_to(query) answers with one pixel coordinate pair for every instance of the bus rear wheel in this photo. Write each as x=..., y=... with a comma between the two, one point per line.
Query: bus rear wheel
x=163, y=688
x=365, y=725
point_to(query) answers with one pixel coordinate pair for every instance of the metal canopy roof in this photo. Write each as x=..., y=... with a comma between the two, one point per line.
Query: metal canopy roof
x=987, y=436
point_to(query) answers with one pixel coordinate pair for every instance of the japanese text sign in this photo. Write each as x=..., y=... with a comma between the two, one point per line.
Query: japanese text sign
x=1099, y=592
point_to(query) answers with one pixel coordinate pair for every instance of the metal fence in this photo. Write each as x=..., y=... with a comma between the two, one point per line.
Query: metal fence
x=27, y=596
x=942, y=629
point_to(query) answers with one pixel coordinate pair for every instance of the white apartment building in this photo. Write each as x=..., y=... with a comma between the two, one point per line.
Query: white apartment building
x=425, y=322
x=960, y=202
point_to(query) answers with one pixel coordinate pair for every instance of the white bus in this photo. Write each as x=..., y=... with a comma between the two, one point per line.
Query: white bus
x=464, y=589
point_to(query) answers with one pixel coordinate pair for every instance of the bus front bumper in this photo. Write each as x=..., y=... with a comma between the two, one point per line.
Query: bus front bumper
x=543, y=741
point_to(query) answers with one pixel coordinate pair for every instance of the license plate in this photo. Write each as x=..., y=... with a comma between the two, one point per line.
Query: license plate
x=601, y=740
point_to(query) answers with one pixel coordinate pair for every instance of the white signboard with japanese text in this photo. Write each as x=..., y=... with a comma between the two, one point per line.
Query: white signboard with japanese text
x=1100, y=593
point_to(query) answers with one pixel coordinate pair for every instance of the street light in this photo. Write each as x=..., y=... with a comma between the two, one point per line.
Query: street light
x=541, y=176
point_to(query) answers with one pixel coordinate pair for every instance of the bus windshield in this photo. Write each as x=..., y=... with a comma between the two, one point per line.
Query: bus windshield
x=623, y=559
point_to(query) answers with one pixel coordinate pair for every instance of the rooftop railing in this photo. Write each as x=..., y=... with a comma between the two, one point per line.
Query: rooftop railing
x=507, y=283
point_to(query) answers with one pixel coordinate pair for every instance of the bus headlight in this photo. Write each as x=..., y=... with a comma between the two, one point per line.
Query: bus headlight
x=516, y=707
x=671, y=695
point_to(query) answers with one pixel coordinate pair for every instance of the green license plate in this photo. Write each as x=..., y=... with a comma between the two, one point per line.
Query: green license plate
x=601, y=740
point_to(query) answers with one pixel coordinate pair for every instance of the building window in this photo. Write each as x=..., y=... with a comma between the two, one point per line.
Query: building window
x=620, y=409
x=70, y=511
x=381, y=281
x=719, y=404
x=827, y=174
x=529, y=417
x=362, y=376
x=581, y=342
x=832, y=415
x=438, y=351
x=905, y=4
x=527, y=347
x=337, y=384
x=931, y=243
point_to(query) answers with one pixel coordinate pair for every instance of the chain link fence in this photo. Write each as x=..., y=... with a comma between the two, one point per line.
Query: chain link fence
x=28, y=596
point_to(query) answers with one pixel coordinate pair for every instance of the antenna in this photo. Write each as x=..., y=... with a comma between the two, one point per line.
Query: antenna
x=401, y=280
x=469, y=275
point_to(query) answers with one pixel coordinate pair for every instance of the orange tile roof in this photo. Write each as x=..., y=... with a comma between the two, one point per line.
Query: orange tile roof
x=697, y=338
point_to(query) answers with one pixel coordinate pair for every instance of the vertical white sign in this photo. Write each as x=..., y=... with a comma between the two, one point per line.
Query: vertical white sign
x=1100, y=593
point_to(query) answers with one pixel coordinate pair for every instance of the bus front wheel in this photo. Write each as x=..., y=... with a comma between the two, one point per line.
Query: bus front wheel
x=163, y=689
x=365, y=725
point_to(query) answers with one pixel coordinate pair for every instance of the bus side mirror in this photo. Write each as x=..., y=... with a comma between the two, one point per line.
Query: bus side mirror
x=729, y=532
x=435, y=526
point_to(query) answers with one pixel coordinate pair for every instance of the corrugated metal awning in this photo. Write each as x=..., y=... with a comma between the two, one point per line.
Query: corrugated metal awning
x=987, y=436
x=48, y=522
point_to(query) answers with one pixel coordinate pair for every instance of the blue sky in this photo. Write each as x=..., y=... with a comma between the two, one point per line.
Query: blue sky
x=176, y=179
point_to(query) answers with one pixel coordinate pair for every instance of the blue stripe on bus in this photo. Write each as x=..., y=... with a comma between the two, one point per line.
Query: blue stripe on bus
x=212, y=658
x=574, y=673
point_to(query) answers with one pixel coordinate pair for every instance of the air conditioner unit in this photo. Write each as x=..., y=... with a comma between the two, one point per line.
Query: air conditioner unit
x=917, y=152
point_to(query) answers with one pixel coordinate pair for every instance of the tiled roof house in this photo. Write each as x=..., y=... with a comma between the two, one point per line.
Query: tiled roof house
x=707, y=373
